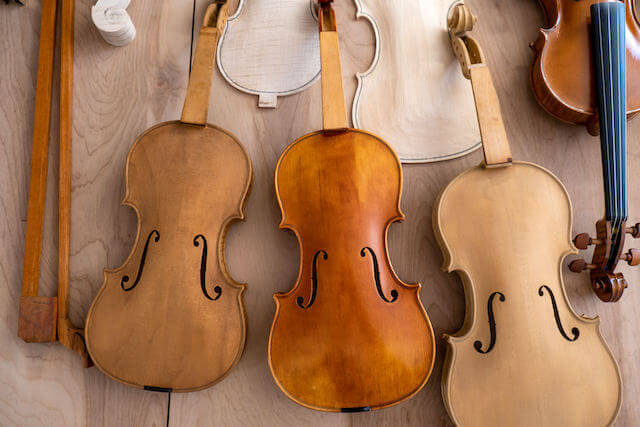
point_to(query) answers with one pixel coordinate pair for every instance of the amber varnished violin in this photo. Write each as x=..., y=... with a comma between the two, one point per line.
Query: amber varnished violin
x=349, y=336
x=578, y=75
x=170, y=318
x=523, y=356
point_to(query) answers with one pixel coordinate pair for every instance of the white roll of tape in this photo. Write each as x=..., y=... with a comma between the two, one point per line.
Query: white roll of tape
x=113, y=22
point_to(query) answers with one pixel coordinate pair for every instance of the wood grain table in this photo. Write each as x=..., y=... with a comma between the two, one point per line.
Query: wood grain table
x=119, y=92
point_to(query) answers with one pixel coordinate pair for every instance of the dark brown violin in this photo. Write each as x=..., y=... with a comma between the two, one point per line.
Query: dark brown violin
x=349, y=336
x=585, y=72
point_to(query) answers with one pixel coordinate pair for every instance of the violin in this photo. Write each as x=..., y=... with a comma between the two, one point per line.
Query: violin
x=170, y=318
x=578, y=76
x=45, y=318
x=523, y=356
x=349, y=336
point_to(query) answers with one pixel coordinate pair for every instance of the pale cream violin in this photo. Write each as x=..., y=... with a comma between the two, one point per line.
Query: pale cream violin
x=523, y=356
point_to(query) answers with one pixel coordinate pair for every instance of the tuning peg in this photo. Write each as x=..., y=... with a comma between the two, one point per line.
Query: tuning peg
x=579, y=265
x=583, y=240
x=634, y=230
x=632, y=257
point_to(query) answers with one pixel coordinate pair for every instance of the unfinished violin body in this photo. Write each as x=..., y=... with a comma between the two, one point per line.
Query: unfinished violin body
x=349, y=336
x=562, y=75
x=523, y=356
x=170, y=318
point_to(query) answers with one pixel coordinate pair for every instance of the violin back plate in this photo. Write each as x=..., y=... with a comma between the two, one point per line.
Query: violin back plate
x=270, y=48
x=170, y=316
x=413, y=73
x=523, y=356
x=349, y=335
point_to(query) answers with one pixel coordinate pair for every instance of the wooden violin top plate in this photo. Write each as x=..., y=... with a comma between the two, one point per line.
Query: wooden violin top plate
x=413, y=95
x=171, y=316
x=539, y=363
x=271, y=48
x=349, y=335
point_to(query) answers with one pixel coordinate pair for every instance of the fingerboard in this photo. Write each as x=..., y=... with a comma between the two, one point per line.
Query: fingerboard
x=608, y=31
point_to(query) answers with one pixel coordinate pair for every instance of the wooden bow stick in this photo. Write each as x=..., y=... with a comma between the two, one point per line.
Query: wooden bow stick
x=494, y=138
x=42, y=318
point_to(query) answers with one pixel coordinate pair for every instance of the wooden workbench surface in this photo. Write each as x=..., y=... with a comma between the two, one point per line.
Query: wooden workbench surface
x=120, y=92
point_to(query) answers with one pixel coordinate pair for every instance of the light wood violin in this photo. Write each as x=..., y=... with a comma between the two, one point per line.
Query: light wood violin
x=578, y=75
x=349, y=336
x=523, y=356
x=170, y=318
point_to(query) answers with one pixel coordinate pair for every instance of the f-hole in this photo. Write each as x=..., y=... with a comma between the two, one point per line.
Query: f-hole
x=376, y=275
x=125, y=278
x=574, y=331
x=314, y=280
x=492, y=324
x=203, y=269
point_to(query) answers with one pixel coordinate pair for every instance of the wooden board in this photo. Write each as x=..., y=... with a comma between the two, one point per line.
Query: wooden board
x=413, y=94
x=45, y=384
x=271, y=49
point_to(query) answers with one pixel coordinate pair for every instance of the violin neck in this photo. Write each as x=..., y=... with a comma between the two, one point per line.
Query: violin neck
x=196, y=103
x=334, y=112
x=608, y=33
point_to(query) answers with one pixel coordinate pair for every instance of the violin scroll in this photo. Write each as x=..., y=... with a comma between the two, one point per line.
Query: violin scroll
x=461, y=20
x=606, y=283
